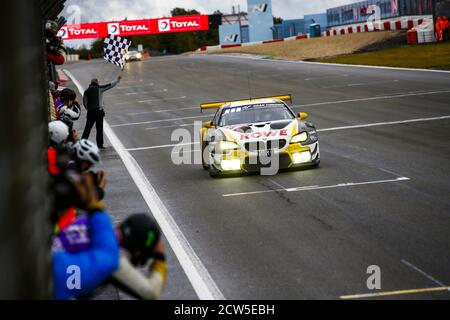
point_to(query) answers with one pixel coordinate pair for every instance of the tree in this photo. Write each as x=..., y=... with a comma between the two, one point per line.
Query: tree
x=277, y=20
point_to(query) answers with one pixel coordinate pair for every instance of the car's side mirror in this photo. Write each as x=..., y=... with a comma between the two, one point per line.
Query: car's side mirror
x=303, y=115
x=207, y=124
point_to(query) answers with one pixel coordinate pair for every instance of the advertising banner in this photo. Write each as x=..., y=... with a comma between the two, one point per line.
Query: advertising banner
x=260, y=19
x=179, y=24
x=135, y=27
x=81, y=31
x=230, y=34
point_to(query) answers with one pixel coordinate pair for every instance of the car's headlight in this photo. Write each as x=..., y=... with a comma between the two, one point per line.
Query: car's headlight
x=139, y=55
x=228, y=145
x=301, y=137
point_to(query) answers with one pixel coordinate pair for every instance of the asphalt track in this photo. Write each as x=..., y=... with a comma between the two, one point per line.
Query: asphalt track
x=380, y=196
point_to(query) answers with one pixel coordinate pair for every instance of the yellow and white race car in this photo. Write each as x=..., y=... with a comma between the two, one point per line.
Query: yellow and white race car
x=256, y=135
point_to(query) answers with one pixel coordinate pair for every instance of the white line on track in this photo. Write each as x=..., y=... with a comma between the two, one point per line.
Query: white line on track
x=136, y=93
x=276, y=183
x=327, y=64
x=394, y=96
x=150, y=100
x=198, y=275
x=156, y=121
x=383, y=124
x=163, y=146
x=309, y=188
x=134, y=87
x=360, y=84
x=426, y=275
x=162, y=99
x=378, y=97
x=319, y=130
x=163, y=110
x=172, y=126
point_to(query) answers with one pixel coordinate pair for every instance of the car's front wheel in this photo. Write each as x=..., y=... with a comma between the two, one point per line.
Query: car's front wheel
x=204, y=163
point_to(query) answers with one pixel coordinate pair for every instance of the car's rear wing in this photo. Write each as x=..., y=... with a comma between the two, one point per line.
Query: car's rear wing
x=217, y=105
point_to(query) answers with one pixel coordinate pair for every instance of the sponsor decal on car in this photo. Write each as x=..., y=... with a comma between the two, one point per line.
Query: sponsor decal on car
x=263, y=134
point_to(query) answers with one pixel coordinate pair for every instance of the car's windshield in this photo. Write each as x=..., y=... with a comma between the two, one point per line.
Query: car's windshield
x=254, y=114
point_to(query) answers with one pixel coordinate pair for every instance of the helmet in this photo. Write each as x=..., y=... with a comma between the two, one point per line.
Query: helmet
x=68, y=94
x=58, y=131
x=87, y=151
x=140, y=234
x=52, y=27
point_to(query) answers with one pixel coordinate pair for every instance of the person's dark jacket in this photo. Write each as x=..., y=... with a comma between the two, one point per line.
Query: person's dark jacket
x=93, y=96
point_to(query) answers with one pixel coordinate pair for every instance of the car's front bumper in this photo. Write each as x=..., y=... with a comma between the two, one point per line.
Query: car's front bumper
x=294, y=156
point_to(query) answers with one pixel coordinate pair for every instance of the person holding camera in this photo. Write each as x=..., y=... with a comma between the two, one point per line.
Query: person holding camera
x=93, y=102
x=56, y=50
x=66, y=104
x=89, y=265
x=139, y=238
x=86, y=155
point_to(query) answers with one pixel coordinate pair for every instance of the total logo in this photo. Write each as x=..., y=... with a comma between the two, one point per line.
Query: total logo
x=67, y=32
x=117, y=28
x=113, y=28
x=63, y=33
x=166, y=25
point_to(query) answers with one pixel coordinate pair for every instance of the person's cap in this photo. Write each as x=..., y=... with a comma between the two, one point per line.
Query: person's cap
x=68, y=94
x=140, y=234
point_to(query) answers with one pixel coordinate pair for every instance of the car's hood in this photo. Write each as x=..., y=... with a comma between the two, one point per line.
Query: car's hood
x=276, y=130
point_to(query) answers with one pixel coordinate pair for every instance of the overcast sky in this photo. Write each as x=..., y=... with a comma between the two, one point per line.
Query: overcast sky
x=105, y=10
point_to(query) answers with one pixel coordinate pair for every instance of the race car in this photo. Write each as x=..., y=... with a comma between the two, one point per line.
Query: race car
x=133, y=56
x=255, y=135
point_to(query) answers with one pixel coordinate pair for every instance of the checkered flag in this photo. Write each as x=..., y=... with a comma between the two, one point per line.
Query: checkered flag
x=114, y=48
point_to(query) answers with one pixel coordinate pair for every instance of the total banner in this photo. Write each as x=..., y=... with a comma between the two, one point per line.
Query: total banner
x=135, y=27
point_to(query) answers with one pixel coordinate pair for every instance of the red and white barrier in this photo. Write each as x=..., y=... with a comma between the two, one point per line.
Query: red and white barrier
x=400, y=23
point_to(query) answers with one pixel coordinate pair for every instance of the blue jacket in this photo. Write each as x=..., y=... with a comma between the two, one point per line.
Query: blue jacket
x=95, y=264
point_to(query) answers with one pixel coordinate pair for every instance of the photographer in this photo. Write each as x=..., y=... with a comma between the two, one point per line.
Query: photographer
x=95, y=262
x=67, y=104
x=56, y=51
x=139, y=239
x=73, y=133
x=85, y=156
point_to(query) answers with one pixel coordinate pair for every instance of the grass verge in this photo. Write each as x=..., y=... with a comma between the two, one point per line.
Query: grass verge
x=425, y=56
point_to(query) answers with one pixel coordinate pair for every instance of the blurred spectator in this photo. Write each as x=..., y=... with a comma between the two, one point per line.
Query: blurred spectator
x=67, y=104
x=439, y=30
x=93, y=264
x=56, y=50
x=445, y=27
x=139, y=238
x=86, y=155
